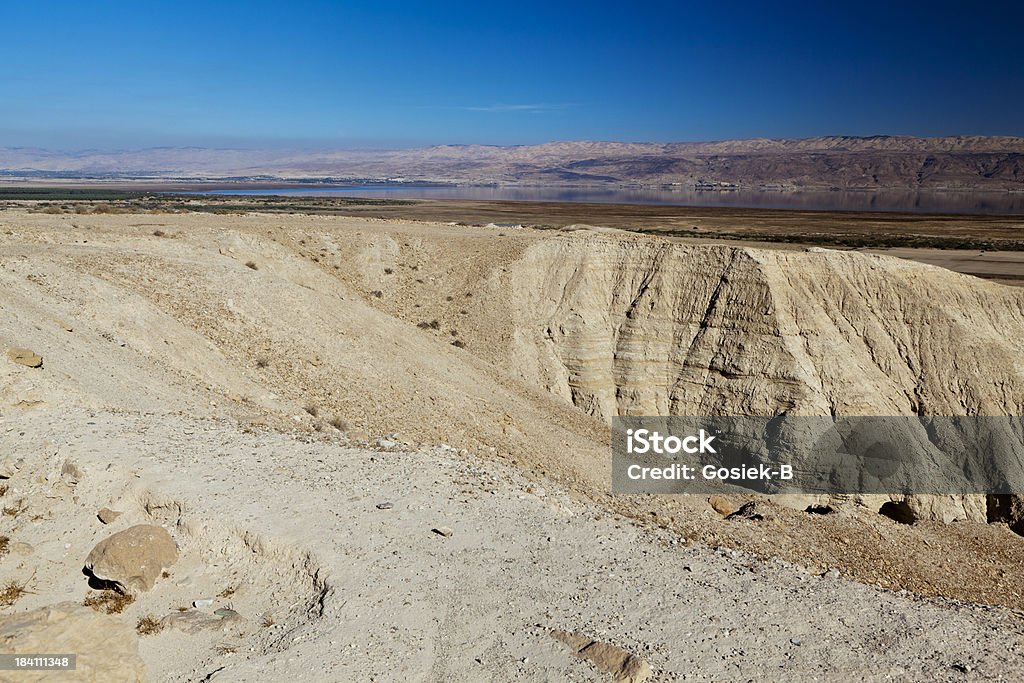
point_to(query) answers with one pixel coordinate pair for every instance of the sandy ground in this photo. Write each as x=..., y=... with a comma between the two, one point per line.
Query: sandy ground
x=371, y=594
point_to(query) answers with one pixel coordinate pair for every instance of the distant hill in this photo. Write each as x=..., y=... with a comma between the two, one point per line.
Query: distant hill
x=878, y=162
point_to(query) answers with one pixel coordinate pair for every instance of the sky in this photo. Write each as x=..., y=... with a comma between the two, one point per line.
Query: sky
x=305, y=74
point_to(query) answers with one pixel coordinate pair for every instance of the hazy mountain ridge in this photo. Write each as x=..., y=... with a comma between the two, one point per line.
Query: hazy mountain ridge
x=957, y=162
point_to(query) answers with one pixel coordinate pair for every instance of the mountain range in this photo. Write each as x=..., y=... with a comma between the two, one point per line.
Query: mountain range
x=845, y=162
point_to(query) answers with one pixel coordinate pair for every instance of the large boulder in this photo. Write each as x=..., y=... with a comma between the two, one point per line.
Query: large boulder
x=132, y=559
x=107, y=648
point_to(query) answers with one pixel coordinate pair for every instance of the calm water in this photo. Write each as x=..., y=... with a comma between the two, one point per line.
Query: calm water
x=925, y=202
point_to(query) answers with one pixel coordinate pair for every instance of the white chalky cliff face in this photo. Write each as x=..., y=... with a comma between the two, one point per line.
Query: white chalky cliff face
x=644, y=327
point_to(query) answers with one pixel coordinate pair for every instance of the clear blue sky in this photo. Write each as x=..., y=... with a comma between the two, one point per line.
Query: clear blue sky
x=97, y=74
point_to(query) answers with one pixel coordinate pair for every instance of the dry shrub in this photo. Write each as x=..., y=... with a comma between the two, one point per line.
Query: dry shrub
x=12, y=592
x=16, y=509
x=110, y=602
x=148, y=625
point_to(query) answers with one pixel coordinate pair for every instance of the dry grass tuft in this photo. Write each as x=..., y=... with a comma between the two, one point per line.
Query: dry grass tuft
x=148, y=625
x=227, y=592
x=110, y=602
x=4, y=488
x=16, y=509
x=262, y=362
x=12, y=592
x=268, y=621
x=5, y=545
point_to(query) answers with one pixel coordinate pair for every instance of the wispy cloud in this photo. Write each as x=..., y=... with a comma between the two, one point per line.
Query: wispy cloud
x=505, y=108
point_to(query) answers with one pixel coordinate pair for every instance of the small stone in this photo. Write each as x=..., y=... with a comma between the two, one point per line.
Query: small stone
x=71, y=473
x=751, y=511
x=619, y=662
x=20, y=548
x=443, y=531
x=722, y=505
x=25, y=357
x=202, y=602
x=385, y=506
x=107, y=516
x=227, y=613
x=796, y=641
x=194, y=622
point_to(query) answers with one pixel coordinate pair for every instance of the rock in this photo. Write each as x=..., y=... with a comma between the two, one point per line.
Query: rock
x=71, y=473
x=722, y=505
x=385, y=506
x=619, y=662
x=20, y=548
x=196, y=622
x=10, y=467
x=107, y=648
x=107, y=516
x=752, y=511
x=133, y=559
x=202, y=602
x=25, y=357
x=1007, y=509
x=443, y=531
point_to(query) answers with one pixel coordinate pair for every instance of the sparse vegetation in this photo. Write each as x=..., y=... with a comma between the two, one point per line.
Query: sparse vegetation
x=148, y=625
x=13, y=592
x=432, y=325
x=4, y=488
x=262, y=362
x=389, y=271
x=109, y=601
x=268, y=621
x=16, y=509
x=377, y=294
x=227, y=592
x=5, y=545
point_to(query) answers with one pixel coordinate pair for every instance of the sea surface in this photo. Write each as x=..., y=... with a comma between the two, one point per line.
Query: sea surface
x=995, y=203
